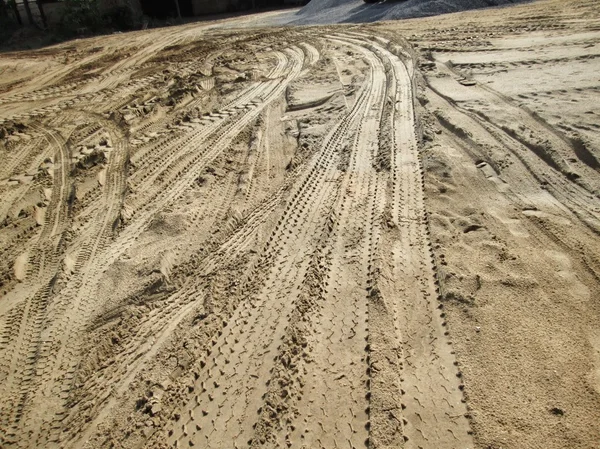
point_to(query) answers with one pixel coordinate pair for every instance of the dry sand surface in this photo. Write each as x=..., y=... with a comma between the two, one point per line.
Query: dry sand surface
x=380, y=236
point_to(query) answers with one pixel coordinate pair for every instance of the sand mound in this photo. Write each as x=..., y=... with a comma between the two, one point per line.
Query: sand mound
x=340, y=11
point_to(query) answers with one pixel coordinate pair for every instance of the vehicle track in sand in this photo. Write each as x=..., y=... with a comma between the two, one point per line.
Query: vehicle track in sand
x=225, y=238
x=329, y=229
x=348, y=249
x=73, y=304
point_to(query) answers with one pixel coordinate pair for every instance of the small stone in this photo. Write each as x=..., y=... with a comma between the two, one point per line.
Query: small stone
x=156, y=409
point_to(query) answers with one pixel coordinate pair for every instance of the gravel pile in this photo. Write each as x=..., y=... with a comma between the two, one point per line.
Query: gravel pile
x=355, y=11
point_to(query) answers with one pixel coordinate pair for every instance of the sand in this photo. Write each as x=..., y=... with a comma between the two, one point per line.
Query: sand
x=384, y=235
x=357, y=11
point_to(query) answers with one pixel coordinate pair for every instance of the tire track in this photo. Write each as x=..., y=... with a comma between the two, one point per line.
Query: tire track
x=327, y=418
x=308, y=319
x=264, y=316
x=572, y=196
x=432, y=400
x=21, y=356
x=76, y=304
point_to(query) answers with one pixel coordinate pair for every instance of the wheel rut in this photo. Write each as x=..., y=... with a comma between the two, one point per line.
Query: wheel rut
x=217, y=268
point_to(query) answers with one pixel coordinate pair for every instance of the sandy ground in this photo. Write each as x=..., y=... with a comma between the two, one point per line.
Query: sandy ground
x=355, y=236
